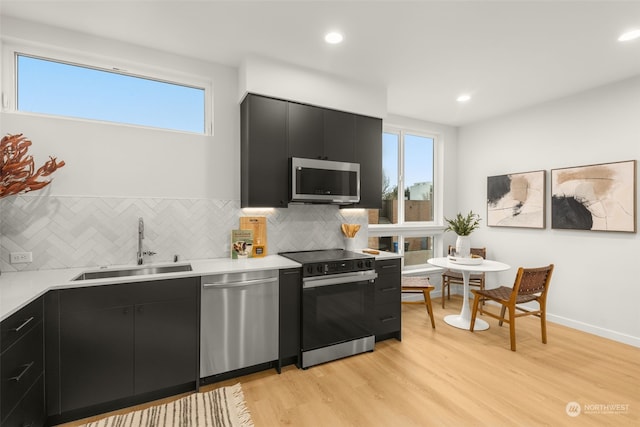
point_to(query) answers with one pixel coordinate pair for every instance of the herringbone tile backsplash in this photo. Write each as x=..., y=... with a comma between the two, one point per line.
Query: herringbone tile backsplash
x=64, y=232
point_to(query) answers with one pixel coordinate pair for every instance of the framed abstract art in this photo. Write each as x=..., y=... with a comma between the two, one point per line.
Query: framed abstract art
x=516, y=200
x=598, y=197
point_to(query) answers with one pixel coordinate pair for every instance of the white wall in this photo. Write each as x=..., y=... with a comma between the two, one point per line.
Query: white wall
x=281, y=80
x=127, y=161
x=594, y=287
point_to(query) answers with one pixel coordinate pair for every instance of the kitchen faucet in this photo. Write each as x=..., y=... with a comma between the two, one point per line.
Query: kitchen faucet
x=140, y=254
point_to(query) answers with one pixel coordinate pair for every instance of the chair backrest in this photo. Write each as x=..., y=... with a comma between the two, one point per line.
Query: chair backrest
x=474, y=251
x=531, y=281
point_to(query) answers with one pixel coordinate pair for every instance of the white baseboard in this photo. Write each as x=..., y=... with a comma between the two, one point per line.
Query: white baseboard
x=574, y=324
x=595, y=330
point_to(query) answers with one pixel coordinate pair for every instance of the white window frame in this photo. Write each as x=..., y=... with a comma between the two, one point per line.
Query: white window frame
x=404, y=229
x=10, y=51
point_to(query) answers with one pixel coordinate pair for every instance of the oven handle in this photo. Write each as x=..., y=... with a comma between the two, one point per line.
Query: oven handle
x=339, y=279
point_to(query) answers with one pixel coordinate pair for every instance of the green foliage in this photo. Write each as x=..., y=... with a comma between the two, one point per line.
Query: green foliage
x=463, y=225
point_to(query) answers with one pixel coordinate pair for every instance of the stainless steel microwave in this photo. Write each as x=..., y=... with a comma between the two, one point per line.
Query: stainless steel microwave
x=324, y=181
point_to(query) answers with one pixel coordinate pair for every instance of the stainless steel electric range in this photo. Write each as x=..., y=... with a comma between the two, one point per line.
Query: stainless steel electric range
x=337, y=304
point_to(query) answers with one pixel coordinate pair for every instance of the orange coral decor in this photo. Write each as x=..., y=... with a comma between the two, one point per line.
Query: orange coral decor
x=17, y=169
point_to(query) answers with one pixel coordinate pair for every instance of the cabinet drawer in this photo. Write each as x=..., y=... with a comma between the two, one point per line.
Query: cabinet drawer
x=21, y=365
x=388, y=266
x=388, y=292
x=18, y=324
x=387, y=319
x=30, y=410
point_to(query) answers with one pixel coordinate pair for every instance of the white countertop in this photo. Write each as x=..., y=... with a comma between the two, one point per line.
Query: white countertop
x=17, y=289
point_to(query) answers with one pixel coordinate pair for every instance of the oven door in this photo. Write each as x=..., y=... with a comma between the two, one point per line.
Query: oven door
x=337, y=308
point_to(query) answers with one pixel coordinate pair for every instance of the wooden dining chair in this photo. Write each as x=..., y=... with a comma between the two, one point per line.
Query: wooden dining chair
x=450, y=277
x=531, y=284
x=419, y=284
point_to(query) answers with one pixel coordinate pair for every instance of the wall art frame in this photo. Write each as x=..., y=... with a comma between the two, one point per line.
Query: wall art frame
x=600, y=197
x=517, y=200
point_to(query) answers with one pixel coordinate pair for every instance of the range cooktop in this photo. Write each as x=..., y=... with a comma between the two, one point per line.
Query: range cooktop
x=330, y=261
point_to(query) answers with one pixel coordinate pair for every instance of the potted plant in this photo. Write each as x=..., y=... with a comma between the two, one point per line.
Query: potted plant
x=463, y=226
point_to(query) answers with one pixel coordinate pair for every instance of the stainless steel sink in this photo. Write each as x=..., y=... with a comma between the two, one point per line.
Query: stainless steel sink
x=133, y=271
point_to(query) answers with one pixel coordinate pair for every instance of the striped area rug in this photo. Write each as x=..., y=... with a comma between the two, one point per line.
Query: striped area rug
x=223, y=407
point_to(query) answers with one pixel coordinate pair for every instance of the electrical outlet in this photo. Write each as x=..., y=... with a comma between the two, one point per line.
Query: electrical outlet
x=21, y=257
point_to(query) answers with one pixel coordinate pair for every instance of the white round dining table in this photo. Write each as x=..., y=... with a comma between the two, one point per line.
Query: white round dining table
x=463, y=320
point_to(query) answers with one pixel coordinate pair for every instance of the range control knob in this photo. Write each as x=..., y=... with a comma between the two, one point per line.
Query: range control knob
x=319, y=268
x=360, y=264
x=310, y=269
x=369, y=263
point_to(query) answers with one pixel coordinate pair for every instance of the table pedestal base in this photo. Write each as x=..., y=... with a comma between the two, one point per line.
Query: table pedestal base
x=465, y=323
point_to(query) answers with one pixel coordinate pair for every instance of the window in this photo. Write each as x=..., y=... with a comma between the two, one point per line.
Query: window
x=405, y=224
x=60, y=88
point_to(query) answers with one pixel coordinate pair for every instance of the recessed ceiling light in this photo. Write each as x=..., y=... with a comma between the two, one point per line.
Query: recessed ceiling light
x=333, y=37
x=463, y=98
x=629, y=35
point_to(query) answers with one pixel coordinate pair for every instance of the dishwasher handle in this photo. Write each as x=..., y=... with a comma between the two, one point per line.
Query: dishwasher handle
x=239, y=284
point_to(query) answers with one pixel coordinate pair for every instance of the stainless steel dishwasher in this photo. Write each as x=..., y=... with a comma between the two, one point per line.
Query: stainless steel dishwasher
x=239, y=321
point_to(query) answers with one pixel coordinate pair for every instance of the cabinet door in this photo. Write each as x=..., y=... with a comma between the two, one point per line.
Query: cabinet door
x=306, y=131
x=30, y=410
x=368, y=152
x=388, y=295
x=264, y=162
x=290, y=288
x=339, y=136
x=166, y=350
x=96, y=357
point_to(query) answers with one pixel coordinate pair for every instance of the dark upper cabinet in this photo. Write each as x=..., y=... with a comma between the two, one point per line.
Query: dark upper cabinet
x=368, y=152
x=264, y=162
x=320, y=133
x=340, y=136
x=306, y=131
x=273, y=130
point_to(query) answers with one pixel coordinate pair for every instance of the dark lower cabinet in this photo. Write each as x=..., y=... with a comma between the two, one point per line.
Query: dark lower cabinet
x=387, y=321
x=119, y=345
x=96, y=357
x=164, y=346
x=22, y=400
x=290, y=291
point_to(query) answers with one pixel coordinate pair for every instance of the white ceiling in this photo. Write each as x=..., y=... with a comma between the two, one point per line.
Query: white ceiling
x=507, y=55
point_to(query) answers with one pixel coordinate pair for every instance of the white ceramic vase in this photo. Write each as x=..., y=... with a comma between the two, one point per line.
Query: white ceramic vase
x=463, y=246
x=349, y=243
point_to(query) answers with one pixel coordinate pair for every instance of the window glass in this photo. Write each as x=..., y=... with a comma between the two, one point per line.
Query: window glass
x=418, y=168
x=405, y=223
x=62, y=89
x=417, y=250
x=385, y=243
x=389, y=212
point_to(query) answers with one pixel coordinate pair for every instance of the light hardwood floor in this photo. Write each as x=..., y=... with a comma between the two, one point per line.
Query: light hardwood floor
x=452, y=377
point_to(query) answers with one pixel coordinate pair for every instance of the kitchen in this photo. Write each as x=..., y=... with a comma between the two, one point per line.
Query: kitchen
x=191, y=216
